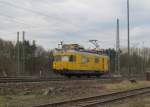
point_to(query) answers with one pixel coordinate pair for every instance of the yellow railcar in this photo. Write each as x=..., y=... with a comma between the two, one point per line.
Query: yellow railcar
x=80, y=63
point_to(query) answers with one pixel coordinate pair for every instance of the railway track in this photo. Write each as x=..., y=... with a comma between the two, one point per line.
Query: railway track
x=26, y=79
x=37, y=79
x=99, y=100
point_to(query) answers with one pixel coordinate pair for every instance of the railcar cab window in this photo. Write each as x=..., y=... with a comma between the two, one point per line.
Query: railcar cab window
x=61, y=58
x=65, y=58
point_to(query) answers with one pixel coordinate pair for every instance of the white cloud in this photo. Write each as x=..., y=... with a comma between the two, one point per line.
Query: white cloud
x=50, y=21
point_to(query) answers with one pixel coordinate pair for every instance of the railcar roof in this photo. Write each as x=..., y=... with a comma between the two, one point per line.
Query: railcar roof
x=77, y=52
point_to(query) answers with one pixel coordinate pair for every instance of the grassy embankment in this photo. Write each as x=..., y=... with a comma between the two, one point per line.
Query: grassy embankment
x=21, y=99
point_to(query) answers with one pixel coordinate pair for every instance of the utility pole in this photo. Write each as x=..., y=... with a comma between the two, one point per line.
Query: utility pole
x=33, y=55
x=128, y=27
x=118, y=49
x=23, y=59
x=18, y=54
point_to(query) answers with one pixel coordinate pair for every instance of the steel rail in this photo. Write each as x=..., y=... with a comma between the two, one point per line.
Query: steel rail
x=99, y=100
x=30, y=79
x=16, y=80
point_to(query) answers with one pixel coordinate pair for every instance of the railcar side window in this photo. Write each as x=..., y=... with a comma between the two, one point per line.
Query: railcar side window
x=61, y=58
x=65, y=58
x=72, y=58
x=84, y=60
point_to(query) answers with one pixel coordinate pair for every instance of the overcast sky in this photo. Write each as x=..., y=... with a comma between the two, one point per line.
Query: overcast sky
x=75, y=21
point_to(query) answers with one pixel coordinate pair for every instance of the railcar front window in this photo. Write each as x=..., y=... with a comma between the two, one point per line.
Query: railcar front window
x=65, y=58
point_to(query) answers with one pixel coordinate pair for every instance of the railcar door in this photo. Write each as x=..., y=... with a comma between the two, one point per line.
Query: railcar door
x=84, y=63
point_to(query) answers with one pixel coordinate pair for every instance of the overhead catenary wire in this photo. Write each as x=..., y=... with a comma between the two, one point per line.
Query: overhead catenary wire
x=24, y=8
x=13, y=19
x=22, y=22
x=29, y=27
x=33, y=11
x=9, y=17
x=42, y=14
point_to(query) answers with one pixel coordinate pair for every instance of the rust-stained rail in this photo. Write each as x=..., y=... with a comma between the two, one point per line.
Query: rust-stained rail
x=99, y=100
x=37, y=79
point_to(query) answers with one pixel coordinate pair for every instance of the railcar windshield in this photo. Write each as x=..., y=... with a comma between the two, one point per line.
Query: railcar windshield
x=65, y=58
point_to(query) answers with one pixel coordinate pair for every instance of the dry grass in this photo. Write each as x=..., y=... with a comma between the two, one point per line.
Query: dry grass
x=2, y=101
x=70, y=92
x=126, y=85
x=135, y=102
x=23, y=100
